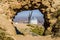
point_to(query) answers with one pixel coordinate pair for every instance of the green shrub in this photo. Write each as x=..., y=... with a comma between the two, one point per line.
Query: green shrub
x=36, y=29
x=30, y=25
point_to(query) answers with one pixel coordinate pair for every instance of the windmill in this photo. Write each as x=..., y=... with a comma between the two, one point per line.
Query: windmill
x=29, y=17
x=32, y=21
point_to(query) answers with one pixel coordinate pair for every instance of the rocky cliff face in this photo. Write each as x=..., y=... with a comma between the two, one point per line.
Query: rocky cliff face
x=9, y=8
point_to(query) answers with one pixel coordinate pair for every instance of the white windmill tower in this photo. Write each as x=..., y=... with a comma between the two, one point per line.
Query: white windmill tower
x=34, y=20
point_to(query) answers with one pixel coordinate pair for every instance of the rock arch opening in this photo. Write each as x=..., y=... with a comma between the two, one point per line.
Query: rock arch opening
x=46, y=20
x=33, y=6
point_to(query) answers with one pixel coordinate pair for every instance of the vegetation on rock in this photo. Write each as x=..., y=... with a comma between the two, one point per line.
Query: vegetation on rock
x=36, y=29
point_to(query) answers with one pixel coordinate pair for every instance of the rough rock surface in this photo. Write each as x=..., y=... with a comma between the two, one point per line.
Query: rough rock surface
x=9, y=8
x=6, y=24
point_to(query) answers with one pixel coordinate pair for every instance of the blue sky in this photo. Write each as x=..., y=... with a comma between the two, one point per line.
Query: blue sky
x=24, y=15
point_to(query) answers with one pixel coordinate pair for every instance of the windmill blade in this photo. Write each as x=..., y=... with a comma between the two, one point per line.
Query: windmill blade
x=29, y=18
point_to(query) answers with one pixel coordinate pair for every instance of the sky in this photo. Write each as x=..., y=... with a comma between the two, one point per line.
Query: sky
x=24, y=15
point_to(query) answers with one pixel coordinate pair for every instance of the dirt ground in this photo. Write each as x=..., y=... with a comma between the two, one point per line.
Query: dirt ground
x=29, y=37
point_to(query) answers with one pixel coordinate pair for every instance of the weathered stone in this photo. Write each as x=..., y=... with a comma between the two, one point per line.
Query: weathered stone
x=10, y=7
x=6, y=24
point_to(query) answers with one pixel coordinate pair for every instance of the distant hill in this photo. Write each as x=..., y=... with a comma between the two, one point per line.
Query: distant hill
x=23, y=16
